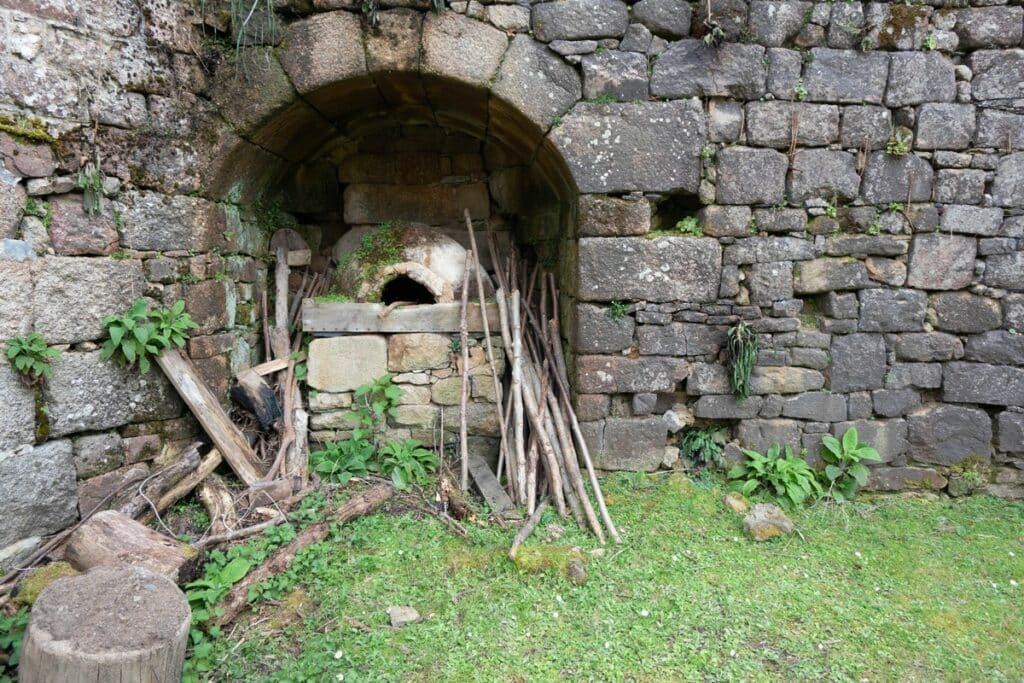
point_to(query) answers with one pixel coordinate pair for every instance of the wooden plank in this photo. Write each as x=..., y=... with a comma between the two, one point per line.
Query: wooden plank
x=272, y=366
x=299, y=257
x=489, y=486
x=339, y=317
x=204, y=405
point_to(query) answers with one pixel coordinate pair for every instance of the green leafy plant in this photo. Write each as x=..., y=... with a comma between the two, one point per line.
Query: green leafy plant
x=831, y=210
x=801, y=90
x=741, y=354
x=783, y=476
x=604, y=99
x=844, y=468
x=702, y=447
x=617, y=310
x=31, y=358
x=140, y=334
x=340, y=461
x=690, y=226
x=39, y=209
x=897, y=145
x=12, y=630
x=407, y=462
x=930, y=42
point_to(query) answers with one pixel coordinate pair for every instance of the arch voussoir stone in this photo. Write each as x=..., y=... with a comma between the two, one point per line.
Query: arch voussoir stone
x=393, y=54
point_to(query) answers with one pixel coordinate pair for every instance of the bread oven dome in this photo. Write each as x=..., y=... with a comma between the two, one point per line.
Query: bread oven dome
x=409, y=262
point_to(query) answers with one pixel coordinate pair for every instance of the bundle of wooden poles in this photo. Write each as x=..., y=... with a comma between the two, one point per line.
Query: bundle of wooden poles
x=542, y=445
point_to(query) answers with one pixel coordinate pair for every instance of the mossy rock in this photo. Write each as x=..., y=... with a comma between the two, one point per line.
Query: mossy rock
x=38, y=579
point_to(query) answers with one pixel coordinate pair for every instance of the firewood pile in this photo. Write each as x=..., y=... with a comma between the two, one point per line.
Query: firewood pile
x=542, y=446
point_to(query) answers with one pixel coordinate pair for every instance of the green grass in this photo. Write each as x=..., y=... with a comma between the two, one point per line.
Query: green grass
x=886, y=588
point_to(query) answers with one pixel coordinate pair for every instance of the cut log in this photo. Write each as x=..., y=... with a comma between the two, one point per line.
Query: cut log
x=296, y=462
x=489, y=486
x=146, y=495
x=111, y=538
x=211, y=462
x=219, y=503
x=112, y=624
x=204, y=405
x=252, y=392
x=237, y=599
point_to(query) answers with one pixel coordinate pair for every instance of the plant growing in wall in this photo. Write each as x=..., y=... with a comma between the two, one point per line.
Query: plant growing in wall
x=136, y=336
x=779, y=474
x=90, y=180
x=31, y=358
x=741, y=355
x=844, y=468
x=702, y=447
x=408, y=462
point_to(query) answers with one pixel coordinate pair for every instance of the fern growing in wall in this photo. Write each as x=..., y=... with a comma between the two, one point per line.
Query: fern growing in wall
x=741, y=350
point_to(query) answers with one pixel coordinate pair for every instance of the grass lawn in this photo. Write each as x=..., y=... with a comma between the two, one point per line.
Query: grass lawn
x=887, y=588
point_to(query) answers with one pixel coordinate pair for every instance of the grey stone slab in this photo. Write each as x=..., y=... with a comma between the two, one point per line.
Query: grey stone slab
x=663, y=269
x=37, y=491
x=945, y=435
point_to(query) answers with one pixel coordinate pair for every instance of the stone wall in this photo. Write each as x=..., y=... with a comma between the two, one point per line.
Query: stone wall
x=426, y=367
x=888, y=287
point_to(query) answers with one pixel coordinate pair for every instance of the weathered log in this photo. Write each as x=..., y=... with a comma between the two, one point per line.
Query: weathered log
x=252, y=392
x=112, y=538
x=153, y=487
x=527, y=529
x=211, y=462
x=296, y=461
x=219, y=503
x=237, y=599
x=111, y=624
x=233, y=445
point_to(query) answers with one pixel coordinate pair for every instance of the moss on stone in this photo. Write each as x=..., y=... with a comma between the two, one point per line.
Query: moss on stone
x=30, y=130
x=38, y=579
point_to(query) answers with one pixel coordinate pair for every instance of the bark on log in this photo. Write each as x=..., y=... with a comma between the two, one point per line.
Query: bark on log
x=252, y=392
x=219, y=503
x=204, y=405
x=111, y=538
x=112, y=624
x=153, y=487
x=282, y=559
x=211, y=462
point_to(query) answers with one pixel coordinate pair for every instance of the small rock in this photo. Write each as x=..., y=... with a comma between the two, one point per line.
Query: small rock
x=766, y=521
x=554, y=531
x=671, y=457
x=736, y=502
x=577, y=572
x=402, y=616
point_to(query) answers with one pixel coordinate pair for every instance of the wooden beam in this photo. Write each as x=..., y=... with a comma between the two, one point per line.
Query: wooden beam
x=204, y=405
x=489, y=486
x=348, y=318
x=299, y=257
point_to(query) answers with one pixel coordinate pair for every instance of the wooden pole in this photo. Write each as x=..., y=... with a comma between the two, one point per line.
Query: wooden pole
x=519, y=428
x=464, y=394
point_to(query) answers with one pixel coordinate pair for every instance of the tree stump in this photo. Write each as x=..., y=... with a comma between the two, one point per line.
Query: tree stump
x=111, y=624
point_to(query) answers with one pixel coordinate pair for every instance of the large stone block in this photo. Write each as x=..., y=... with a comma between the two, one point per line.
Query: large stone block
x=829, y=275
x=579, y=19
x=892, y=479
x=211, y=304
x=982, y=27
x=1008, y=187
x=616, y=74
x=689, y=68
x=858, y=362
x=1010, y=427
x=632, y=444
x=598, y=332
x=769, y=250
x=97, y=454
x=666, y=18
x=919, y=375
x=1000, y=347
x=774, y=23
x=434, y=204
x=602, y=216
x=90, y=394
x=664, y=269
x=940, y=261
x=16, y=313
x=966, y=312
x=751, y=176
x=75, y=233
x=1005, y=271
x=323, y=49
x=825, y=174
x=73, y=295
x=769, y=379
x=251, y=91
x=892, y=179
x=864, y=245
x=945, y=126
x=928, y=346
x=12, y=203
x=917, y=77
x=158, y=222
x=819, y=406
x=892, y=310
x=680, y=339
x=345, y=363
x=536, y=82
x=895, y=402
x=648, y=146
x=960, y=186
x=972, y=220
x=37, y=491
x=996, y=74
x=846, y=76
x=888, y=437
x=623, y=375
x=1000, y=385
x=865, y=126
x=418, y=351
x=945, y=435
x=18, y=418
x=770, y=282
x=724, y=407
x=759, y=435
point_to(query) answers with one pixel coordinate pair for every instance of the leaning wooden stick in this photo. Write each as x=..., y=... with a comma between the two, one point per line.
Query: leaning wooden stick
x=527, y=529
x=464, y=395
x=519, y=433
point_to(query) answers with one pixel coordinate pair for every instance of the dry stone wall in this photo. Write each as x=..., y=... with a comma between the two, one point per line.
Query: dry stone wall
x=856, y=168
